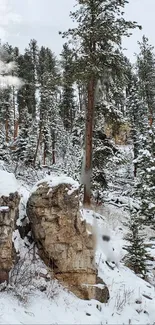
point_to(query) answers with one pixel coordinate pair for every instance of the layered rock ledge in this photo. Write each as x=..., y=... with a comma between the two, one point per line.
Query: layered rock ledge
x=61, y=236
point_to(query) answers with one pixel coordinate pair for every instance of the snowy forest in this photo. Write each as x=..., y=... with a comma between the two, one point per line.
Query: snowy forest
x=87, y=115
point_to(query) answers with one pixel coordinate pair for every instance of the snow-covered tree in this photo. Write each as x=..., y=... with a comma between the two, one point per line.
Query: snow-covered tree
x=136, y=251
x=25, y=143
x=9, y=83
x=49, y=118
x=98, y=34
x=26, y=96
x=146, y=73
x=135, y=112
x=144, y=127
x=67, y=106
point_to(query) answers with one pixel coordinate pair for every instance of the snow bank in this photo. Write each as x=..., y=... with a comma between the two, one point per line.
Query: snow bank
x=8, y=183
x=63, y=308
x=54, y=180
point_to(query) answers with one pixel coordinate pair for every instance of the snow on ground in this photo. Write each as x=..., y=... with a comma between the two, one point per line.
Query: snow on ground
x=64, y=308
x=127, y=304
x=132, y=300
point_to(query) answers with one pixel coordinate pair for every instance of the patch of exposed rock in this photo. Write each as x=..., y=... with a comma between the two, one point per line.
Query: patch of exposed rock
x=8, y=216
x=61, y=236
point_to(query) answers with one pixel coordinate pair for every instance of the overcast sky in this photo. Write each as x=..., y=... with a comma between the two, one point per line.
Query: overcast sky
x=21, y=20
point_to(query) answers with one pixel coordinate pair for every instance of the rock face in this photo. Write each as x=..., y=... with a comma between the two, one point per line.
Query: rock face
x=63, y=241
x=8, y=215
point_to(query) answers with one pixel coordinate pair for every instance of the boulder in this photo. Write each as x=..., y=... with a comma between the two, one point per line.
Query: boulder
x=61, y=235
x=8, y=216
x=102, y=291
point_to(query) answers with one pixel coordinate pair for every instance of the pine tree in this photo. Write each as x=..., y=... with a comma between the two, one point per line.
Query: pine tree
x=9, y=83
x=99, y=31
x=67, y=106
x=146, y=74
x=26, y=97
x=5, y=119
x=136, y=256
x=49, y=117
x=135, y=112
x=145, y=184
x=6, y=112
x=34, y=52
x=143, y=157
x=25, y=143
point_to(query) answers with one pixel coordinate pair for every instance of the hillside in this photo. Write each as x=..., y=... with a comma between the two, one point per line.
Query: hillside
x=131, y=298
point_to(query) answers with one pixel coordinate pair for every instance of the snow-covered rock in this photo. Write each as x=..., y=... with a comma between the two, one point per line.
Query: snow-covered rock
x=63, y=241
x=9, y=204
x=54, y=181
x=8, y=183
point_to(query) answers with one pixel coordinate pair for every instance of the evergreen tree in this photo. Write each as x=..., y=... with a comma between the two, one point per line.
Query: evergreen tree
x=145, y=160
x=136, y=256
x=135, y=112
x=26, y=97
x=6, y=112
x=67, y=106
x=99, y=32
x=146, y=74
x=5, y=123
x=25, y=143
x=145, y=183
x=49, y=117
x=9, y=83
x=34, y=52
x=141, y=135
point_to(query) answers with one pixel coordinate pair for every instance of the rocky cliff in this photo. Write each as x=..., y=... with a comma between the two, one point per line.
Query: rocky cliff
x=8, y=216
x=61, y=236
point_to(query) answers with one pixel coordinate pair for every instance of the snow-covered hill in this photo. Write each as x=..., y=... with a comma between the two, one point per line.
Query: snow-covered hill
x=132, y=300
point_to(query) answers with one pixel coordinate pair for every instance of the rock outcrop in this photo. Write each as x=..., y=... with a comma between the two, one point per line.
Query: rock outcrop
x=8, y=216
x=63, y=241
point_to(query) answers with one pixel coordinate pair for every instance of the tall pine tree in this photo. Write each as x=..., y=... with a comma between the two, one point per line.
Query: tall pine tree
x=100, y=28
x=67, y=106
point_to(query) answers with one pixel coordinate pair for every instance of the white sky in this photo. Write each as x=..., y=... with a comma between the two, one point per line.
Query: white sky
x=21, y=20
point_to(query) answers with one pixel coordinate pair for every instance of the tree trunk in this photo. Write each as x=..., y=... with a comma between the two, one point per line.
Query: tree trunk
x=38, y=143
x=88, y=144
x=44, y=156
x=80, y=97
x=16, y=130
x=53, y=148
x=14, y=113
x=151, y=121
x=135, y=169
x=7, y=130
x=134, y=151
